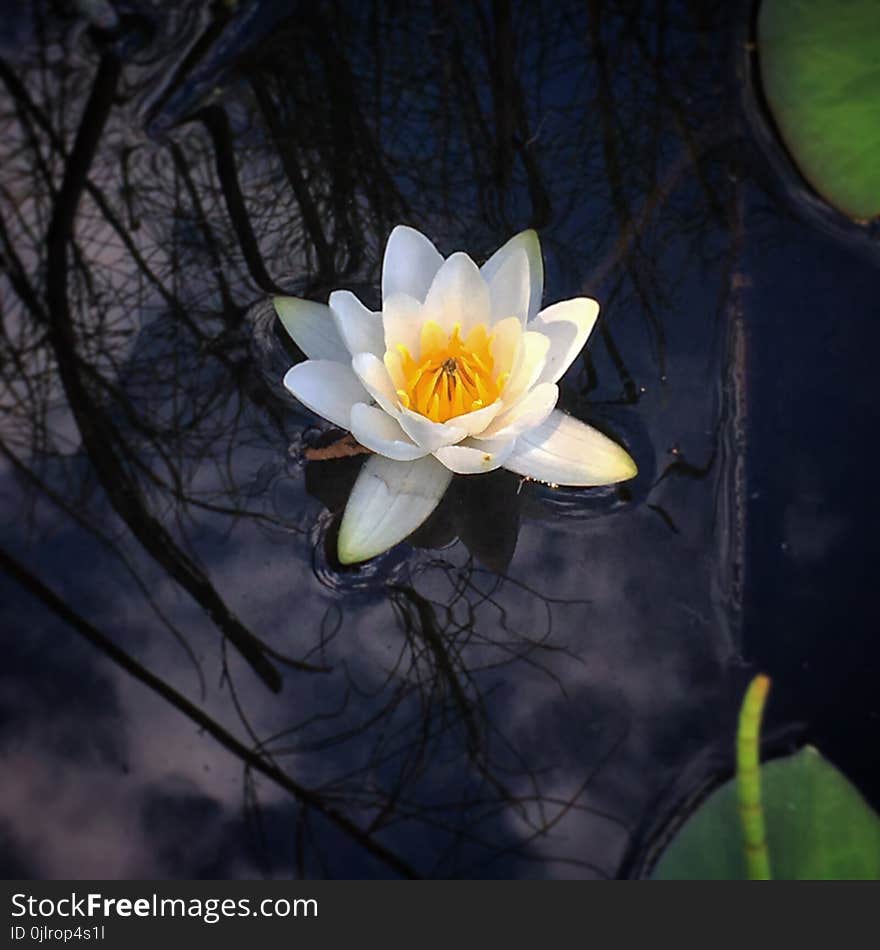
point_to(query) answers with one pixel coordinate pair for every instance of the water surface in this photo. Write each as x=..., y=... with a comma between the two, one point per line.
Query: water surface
x=191, y=685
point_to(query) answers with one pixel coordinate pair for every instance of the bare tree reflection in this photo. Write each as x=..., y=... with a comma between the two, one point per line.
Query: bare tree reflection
x=428, y=704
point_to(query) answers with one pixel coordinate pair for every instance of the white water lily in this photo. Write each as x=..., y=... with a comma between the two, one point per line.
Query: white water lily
x=457, y=374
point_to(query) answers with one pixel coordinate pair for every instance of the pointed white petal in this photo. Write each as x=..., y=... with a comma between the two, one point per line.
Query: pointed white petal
x=528, y=367
x=568, y=324
x=394, y=364
x=388, y=502
x=506, y=343
x=376, y=430
x=476, y=421
x=566, y=451
x=430, y=435
x=359, y=328
x=311, y=327
x=528, y=242
x=325, y=387
x=471, y=457
x=409, y=265
x=458, y=294
x=509, y=288
x=530, y=411
x=402, y=319
x=371, y=371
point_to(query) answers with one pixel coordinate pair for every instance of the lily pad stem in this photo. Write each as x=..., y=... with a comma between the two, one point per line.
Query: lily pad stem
x=748, y=779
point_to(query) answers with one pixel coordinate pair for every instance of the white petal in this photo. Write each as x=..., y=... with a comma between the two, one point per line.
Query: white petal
x=506, y=343
x=472, y=458
x=410, y=264
x=376, y=430
x=325, y=387
x=530, y=411
x=372, y=373
x=566, y=451
x=388, y=502
x=402, y=319
x=311, y=327
x=528, y=368
x=430, y=435
x=359, y=328
x=509, y=288
x=479, y=419
x=528, y=242
x=458, y=294
x=394, y=364
x=567, y=324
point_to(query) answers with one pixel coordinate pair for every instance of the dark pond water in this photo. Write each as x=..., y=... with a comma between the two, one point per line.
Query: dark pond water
x=190, y=685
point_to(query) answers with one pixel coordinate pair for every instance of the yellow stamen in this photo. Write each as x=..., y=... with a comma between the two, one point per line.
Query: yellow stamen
x=450, y=376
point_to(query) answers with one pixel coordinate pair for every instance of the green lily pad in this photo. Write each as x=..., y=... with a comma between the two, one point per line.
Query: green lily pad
x=818, y=828
x=820, y=68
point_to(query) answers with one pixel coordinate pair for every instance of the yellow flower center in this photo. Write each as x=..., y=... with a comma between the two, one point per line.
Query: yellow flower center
x=451, y=376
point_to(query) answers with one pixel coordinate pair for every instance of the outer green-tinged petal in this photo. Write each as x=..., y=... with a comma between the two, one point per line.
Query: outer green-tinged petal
x=510, y=288
x=376, y=430
x=565, y=451
x=458, y=295
x=388, y=502
x=567, y=324
x=374, y=376
x=327, y=388
x=471, y=457
x=527, y=241
x=311, y=327
x=359, y=328
x=410, y=263
x=531, y=410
